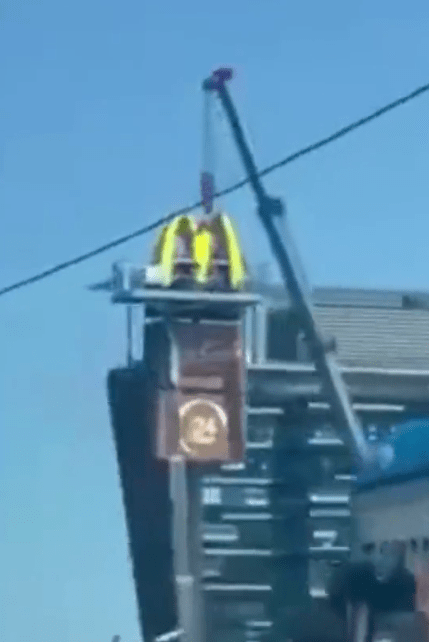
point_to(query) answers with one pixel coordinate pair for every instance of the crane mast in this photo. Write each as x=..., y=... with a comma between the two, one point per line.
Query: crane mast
x=271, y=214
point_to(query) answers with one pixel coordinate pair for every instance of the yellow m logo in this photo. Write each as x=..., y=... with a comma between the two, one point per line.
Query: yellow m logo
x=204, y=243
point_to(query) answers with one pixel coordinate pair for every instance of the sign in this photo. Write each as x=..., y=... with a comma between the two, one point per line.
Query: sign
x=203, y=426
x=201, y=412
x=203, y=243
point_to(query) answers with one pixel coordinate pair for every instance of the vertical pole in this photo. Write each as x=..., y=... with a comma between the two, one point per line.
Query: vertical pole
x=207, y=181
x=249, y=335
x=185, y=580
x=135, y=333
x=140, y=332
x=196, y=552
x=129, y=336
x=260, y=333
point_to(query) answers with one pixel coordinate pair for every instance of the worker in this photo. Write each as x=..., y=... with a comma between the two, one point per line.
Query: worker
x=382, y=585
x=369, y=588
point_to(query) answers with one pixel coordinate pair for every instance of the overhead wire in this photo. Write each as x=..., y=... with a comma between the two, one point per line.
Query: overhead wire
x=185, y=210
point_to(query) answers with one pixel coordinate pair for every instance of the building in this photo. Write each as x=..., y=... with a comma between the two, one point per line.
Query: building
x=275, y=524
x=392, y=495
x=278, y=523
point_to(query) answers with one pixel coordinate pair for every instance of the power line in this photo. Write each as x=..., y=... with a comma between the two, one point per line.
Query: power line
x=103, y=248
x=346, y=130
x=185, y=210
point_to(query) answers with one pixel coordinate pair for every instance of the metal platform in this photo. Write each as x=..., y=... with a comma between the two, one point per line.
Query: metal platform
x=193, y=303
x=131, y=286
x=154, y=296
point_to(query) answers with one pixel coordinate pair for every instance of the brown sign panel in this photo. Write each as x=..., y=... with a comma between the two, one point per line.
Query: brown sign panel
x=202, y=416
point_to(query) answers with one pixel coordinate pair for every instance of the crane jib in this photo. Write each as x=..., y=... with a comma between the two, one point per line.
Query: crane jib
x=268, y=209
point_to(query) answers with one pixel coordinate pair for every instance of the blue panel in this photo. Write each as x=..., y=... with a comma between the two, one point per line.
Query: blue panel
x=401, y=456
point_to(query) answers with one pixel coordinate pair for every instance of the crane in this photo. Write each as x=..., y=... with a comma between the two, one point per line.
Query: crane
x=271, y=213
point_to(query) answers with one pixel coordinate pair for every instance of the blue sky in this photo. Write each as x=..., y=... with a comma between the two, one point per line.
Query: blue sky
x=100, y=133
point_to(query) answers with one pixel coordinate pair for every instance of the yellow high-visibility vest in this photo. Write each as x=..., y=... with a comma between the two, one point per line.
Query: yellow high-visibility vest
x=202, y=239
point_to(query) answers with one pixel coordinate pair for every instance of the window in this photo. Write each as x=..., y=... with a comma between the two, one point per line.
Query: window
x=212, y=496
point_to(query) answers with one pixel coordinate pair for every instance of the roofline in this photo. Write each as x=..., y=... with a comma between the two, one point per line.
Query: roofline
x=350, y=297
x=301, y=368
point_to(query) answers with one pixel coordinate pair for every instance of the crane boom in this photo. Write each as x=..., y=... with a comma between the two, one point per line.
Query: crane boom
x=270, y=211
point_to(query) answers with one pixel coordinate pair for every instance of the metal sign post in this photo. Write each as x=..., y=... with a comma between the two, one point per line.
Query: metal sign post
x=185, y=581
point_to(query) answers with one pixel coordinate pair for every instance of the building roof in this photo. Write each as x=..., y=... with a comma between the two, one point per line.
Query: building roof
x=377, y=337
x=370, y=298
x=372, y=328
x=355, y=297
x=402, y=456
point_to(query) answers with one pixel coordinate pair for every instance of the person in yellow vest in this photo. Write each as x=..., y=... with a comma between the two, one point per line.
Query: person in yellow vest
x=202, y=245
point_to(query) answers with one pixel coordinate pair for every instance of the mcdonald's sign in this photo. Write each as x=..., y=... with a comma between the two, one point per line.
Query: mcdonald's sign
x=200, y=416
x=205, y=244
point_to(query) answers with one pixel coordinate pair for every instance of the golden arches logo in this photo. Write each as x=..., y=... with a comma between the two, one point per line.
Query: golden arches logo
x=203, y=241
